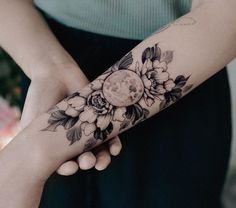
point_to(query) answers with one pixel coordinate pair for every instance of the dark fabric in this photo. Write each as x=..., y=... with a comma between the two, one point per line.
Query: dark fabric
x=176, y=159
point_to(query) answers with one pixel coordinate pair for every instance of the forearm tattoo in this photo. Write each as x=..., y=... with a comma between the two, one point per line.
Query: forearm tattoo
x=121, y=97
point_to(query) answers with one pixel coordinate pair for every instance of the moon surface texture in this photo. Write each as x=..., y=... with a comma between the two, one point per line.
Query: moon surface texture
x=123, y=88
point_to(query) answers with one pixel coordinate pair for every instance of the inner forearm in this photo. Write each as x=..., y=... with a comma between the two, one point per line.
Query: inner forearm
x=154, y=75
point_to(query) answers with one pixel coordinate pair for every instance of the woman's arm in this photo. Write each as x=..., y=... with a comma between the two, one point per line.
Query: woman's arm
x=28, y=39
x=25, y=35
x=154, y=75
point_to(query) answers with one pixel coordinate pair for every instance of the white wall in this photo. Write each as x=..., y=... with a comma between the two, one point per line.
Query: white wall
x=232, y=77
x=229, y=196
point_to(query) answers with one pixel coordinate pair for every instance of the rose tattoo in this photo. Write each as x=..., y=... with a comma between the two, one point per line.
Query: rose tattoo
x=119, y=95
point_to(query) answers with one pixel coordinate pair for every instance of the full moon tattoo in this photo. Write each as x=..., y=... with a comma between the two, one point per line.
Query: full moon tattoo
x=120, y=96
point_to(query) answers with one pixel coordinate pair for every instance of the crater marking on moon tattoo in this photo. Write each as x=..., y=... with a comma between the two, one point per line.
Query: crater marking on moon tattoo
x=123, y=88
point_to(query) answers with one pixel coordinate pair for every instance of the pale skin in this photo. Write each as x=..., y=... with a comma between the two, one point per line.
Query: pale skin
x=40, y=55
x=199, y=51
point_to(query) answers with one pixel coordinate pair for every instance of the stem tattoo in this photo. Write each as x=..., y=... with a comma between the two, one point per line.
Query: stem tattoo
x=120, y=97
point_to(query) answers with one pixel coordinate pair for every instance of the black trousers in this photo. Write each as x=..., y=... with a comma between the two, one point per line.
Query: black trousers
x=176, y=159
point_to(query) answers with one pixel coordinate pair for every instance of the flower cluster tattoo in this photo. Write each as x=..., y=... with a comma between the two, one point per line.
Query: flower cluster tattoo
x=121, y=94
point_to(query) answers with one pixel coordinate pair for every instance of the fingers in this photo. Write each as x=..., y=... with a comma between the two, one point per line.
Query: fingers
x=100, y=158
x=86, y=160
x=115, y=146
x=103, y=158
x=68, y=168
x=102, y=155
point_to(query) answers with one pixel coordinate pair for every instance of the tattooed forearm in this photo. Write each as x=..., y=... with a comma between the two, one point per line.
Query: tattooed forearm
x=155, y=77
x=119, y=98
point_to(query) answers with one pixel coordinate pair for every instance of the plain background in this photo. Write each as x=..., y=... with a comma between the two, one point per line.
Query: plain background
x=230, y=187
x=232, y=77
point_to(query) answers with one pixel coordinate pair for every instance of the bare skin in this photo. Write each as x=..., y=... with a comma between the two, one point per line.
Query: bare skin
x=169, y=64
x=40, y=55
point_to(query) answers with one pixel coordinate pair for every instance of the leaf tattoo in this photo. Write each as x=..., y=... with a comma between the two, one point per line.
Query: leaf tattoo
x=120, y=96
x=60, y=118
x=74, y=134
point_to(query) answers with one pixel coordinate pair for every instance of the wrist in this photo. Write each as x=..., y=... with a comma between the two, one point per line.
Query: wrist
x=67, y=73
x=27, y=157
x=53, y=70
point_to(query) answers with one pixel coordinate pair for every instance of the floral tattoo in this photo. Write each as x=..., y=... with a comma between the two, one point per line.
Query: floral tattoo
x=120, y=95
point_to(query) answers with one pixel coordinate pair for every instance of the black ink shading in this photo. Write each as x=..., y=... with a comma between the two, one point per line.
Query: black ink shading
x=124, y=63
x=90, y=143
x=94, y=111
x=133, y=114
x=74, y=134
x=60, y=118
x=176, y=93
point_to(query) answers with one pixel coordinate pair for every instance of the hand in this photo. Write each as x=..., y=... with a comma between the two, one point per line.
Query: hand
x=47, y=90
